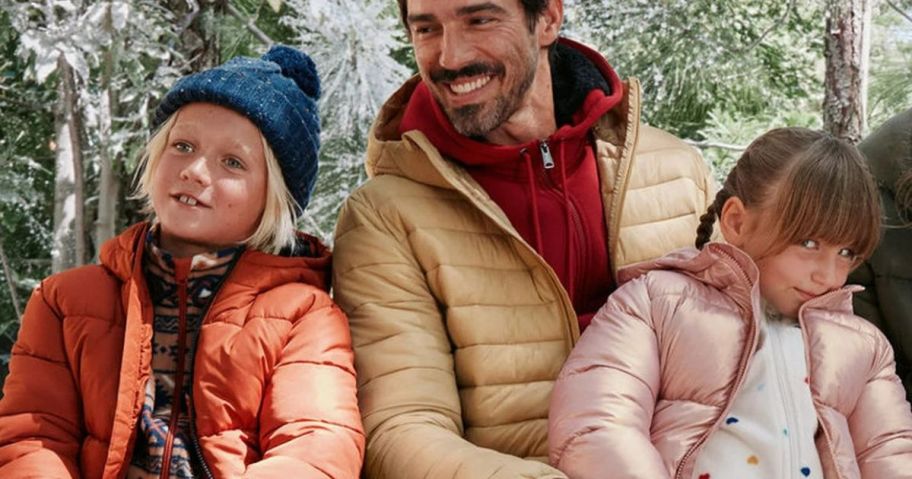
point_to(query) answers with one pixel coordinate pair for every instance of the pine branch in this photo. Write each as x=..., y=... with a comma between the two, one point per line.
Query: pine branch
x=779, y=22
x=190, y=17
x=250, y=25
x=7, y=272
x=899, y=10
x=713, y=144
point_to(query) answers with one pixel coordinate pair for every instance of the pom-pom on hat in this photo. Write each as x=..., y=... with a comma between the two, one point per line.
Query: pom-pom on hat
x=278, y=92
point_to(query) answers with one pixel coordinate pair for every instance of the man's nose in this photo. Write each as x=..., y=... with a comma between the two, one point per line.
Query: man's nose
x=455, y=51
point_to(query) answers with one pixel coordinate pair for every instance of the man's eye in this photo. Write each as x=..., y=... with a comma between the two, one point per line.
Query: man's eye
x=481, y=20
x=183, y=147
x=422, y=30
x=809, y=244
x=234, y=163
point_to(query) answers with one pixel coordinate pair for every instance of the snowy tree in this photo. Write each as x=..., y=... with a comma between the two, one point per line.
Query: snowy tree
x=111, y=59
x=694, y=57
x=26, y=178
x=715, y=72
x=52, y=32
x=352, y=43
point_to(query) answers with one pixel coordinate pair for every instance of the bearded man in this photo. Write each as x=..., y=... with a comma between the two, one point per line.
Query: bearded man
x=510, y=180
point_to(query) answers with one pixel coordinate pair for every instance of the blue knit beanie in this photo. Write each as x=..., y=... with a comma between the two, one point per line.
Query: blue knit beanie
x=278, y=93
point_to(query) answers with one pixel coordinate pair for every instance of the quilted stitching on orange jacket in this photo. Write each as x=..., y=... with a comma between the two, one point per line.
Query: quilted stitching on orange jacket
x=274, y=384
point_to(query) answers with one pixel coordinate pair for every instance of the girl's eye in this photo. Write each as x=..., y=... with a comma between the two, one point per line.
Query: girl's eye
x=847, y=253
x=809, y=244
x=183, y=147
x=233, y=163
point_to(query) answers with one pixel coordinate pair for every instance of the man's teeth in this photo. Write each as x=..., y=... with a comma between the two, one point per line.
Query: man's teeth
x=187, y=200
x=463, y=88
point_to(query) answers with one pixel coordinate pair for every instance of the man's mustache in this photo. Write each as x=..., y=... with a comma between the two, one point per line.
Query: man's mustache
x=470, y=70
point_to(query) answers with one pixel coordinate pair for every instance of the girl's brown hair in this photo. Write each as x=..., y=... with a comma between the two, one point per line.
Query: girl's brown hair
x=813, y=185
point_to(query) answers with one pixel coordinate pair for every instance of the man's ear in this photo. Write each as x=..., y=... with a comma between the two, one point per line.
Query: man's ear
x=549, y=23
x=733, y=221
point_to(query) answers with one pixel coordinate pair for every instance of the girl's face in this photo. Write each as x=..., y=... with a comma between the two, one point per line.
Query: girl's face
x=798, y=273
x=209, y=186
x=802, y=272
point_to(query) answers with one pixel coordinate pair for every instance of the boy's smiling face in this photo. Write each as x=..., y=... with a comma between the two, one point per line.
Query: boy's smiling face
x=209, y=186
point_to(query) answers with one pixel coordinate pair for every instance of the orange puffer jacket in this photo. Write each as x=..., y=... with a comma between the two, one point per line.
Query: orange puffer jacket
x=273, y=387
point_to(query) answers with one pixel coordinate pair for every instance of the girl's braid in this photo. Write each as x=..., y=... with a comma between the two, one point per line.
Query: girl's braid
x=705, y=230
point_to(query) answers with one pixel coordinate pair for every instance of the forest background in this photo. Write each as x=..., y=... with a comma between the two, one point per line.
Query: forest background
x=79, y=79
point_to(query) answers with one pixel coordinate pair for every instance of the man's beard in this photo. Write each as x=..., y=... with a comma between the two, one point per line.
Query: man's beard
x=479, y=119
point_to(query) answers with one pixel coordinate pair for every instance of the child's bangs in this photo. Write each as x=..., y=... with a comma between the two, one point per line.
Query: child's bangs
x=828, y=195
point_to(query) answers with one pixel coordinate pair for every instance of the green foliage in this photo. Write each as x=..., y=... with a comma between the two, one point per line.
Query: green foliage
x=26, y=181
x=739, y=130
x=698, y=57
x=237, y=39
x=889, y=91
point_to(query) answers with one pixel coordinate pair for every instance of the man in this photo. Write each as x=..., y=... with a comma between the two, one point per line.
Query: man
x=887, y=274
x=510, y=180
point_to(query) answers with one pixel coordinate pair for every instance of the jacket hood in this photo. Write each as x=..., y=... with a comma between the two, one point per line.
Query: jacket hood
x=732, y=271
x=413, y=155
x=122, y=255
x=889, y=149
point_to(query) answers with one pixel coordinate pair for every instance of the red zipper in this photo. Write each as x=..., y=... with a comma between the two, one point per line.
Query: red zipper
x=181, y=271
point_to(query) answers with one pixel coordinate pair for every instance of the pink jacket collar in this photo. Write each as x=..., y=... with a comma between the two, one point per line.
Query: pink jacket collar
x=732, y=271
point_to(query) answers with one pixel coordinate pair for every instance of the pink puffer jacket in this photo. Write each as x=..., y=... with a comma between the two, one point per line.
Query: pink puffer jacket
x=659, y=366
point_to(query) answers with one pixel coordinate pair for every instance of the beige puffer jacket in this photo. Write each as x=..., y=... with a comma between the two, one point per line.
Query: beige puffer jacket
x=662, y=361
x=460, y=327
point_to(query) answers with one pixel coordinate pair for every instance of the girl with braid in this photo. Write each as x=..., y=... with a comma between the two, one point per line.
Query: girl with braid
x=742, y=358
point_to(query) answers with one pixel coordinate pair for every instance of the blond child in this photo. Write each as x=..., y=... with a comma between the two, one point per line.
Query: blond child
x=743, y=359
x=205, y=343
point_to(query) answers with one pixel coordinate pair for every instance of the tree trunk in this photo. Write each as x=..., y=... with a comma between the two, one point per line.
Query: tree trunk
x=69, y=199
x=75, y=126
x=847, y=48
x=108, y=186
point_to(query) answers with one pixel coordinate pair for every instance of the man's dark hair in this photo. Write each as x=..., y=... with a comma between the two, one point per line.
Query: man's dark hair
x=533, y=9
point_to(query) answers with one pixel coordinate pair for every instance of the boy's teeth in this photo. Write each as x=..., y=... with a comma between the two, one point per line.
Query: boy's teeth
x=187, y=200
x=464, y=88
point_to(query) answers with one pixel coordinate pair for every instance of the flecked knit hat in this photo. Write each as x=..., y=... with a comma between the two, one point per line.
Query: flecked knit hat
x=278, y=93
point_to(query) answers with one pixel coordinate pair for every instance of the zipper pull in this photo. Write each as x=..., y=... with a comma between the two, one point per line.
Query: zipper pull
x=547, y=159
x=182, y=268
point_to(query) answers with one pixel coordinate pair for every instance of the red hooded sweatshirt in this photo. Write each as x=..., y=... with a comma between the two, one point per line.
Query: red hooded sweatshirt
x=548, y=188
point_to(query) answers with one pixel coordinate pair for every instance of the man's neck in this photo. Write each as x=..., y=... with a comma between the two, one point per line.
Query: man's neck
x=534, y=119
